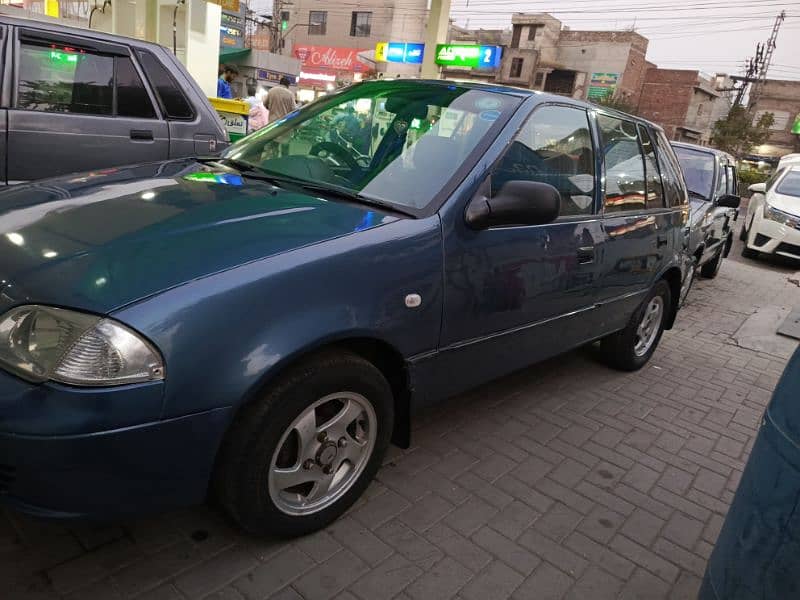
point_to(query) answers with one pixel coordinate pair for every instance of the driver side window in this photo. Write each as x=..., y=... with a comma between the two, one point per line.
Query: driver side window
x=554, y=146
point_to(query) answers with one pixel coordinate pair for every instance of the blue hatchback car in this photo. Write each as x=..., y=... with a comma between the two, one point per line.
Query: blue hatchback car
x=263, y=324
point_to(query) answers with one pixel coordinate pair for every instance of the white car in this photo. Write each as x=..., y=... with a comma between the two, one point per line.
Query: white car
x=772, y=224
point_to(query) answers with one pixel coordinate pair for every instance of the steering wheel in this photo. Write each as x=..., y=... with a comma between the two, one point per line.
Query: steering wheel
x=339, y=152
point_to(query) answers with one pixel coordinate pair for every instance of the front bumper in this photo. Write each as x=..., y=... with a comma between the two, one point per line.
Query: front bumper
x=105, y=474
x=771, y=237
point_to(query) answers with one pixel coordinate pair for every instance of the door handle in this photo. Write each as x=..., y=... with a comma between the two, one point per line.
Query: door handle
x=661, y=240
x=142, y=134
x=585, y=255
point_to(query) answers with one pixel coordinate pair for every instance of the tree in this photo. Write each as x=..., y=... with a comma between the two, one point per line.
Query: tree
x=738, y=133
x=612, y=100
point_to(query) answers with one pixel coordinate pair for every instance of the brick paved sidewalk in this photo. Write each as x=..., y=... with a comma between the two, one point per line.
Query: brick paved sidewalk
x=567, y=480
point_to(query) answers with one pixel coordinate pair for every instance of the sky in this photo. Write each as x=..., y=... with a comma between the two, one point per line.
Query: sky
x=714, y=36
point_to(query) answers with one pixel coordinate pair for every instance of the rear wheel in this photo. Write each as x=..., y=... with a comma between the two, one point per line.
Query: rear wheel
x=302, y=454
x=631, y=348
x=711, y=268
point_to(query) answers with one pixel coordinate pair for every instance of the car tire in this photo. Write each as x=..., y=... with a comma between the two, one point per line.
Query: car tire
x=743, y=232
x=631, y=348
x=688, y=282
x=277, y=474
x=711, y=268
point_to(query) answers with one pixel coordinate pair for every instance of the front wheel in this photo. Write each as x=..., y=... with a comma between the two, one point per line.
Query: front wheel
x=302, y=454
x=711, y=268
x=631, y=348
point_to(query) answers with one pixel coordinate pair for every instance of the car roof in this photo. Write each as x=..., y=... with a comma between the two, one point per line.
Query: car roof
x=706, y=149
x=51, y=25
x=524, y=93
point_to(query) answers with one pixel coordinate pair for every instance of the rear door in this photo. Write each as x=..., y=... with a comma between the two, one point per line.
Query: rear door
x=636, y=220
x=78, y=104
x=5, y=74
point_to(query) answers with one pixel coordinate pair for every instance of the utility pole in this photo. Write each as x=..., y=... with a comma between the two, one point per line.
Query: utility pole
x=758, y=66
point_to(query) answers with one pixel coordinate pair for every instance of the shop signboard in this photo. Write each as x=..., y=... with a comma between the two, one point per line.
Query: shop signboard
x=330, y=58
x=602, y=85
x=474, y=57
x=796, y=126
x=231, y=30
x=399, y=52
x=274, y=76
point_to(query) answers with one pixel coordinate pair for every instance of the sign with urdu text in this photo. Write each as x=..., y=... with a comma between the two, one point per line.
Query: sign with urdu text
x=474, y=57
x=602, y=85
x=399, y=52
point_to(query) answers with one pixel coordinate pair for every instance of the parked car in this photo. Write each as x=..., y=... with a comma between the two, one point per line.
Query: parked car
x=264, y=323
x=772, y=224
x=76, y=99
x=788, y=160
x=713, y=183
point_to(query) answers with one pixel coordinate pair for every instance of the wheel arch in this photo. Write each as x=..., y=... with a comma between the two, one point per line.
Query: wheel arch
x=673, y=278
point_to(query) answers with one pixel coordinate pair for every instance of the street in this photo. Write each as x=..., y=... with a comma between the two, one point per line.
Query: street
x=566, y=480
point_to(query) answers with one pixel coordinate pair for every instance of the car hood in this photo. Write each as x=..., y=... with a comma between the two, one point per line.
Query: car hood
x=785, y=203
x=101, y=240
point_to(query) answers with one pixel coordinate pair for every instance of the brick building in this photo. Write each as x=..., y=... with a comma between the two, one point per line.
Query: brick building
x=782, y=99
x=544, y=55
x=684, y=102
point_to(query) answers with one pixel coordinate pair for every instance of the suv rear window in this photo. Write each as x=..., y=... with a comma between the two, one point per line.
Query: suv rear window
x=174, y=103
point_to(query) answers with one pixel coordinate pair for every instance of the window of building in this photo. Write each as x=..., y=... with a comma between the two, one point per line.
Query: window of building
x=532, y=32
x=317, y=22
x=538, y=79
x=516, y=67
x=173, y=102
x=625, y=176
x=654, y=187
x=132, y=98
x=361, y=24
x=554, y=146
x=700, y=110
x=53, y=79
x=515, y=35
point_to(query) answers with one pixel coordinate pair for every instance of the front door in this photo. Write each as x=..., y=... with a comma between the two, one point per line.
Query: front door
x=515, y=295
x=78, y=105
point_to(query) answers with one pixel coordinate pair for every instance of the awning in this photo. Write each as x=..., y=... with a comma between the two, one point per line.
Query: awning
x=233, y=55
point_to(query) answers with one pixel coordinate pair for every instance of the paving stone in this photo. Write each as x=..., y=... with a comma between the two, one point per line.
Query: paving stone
x=546, y=583
x=683, y=530
x=387, y=579
x=641, y=478
x=515, y=556
x=457, y=546
x=642, y=527
x=600, y=555
x=329, y=578
x=443, y=581
x=595, y=584
x=569, y=472
x=558, y=522
x=426, y=512
x=547, y=549
x=360, y=540
x=601, y=524
x=274, y=574
x=644, y=558
x=470, y=516
x=675, y=480
x=411, y=545
x=645, y=586
x=216, y=572
x=495, y=582
x=709, y=482
x=515, y=518
x=93, y=566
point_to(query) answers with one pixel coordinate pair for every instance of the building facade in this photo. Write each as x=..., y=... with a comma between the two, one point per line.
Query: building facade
x=336, y=42
x=782, y=99
x=684, y=102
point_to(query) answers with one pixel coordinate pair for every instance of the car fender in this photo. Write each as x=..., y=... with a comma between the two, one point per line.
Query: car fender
x=225, y=335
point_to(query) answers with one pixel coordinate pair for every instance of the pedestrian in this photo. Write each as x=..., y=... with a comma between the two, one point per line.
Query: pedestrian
x=280, y=100
x=229, y=74
x=259, y=116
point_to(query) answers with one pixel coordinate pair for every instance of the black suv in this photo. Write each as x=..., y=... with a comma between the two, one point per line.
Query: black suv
x=713, y=184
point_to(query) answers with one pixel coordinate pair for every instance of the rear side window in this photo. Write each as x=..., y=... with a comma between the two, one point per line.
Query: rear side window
x=174, y=103
x=132, y=98
x=554, y=146
x=771, y=181
x=722, y=181
x=625, y=174
x=65, y=80
x=655, y=191
x=671, y=173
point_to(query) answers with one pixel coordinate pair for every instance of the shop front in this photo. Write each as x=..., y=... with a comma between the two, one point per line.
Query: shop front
x=326, y=68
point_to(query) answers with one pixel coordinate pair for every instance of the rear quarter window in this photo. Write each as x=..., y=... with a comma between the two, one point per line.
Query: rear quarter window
x=172, y=99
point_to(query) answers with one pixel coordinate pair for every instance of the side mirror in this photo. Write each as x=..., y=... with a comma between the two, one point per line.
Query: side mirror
x=517, y=203
x=758, y=188
x=729, y=201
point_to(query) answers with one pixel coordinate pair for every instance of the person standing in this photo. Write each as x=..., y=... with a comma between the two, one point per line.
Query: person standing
x=229, y=74
x=280, y=100
x=259, y=116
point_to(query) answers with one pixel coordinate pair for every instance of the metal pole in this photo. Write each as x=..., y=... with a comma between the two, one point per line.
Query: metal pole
x=436, y=33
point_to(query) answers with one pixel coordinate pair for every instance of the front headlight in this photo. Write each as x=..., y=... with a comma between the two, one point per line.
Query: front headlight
x=41, y=343
x=773, y=214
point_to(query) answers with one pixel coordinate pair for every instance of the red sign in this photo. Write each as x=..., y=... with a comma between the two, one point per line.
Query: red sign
x=330, y=58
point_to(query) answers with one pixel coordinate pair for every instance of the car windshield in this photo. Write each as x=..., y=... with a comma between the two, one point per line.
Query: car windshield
x=396, y=142
x=790, y=185
x=698, y=169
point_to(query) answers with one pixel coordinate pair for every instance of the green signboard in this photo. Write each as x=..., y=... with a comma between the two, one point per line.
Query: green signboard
x=796, y=126
x=602, y=85
x=474, y=57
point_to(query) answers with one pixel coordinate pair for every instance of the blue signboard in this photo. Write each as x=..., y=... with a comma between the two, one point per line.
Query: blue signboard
x=490, y=57
x=400, y=52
